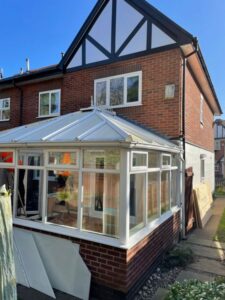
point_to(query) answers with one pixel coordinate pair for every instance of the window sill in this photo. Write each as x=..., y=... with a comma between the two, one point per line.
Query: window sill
x=7, y=120
x=48, y=116
x=121, y=106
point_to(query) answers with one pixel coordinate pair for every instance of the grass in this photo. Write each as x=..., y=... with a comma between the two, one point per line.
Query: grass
x=220, y=234
x=219, y=191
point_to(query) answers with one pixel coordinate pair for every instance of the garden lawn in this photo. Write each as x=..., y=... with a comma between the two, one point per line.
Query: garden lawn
x=220, y=234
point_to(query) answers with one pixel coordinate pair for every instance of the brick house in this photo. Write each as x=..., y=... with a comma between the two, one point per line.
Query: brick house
x=151, y=73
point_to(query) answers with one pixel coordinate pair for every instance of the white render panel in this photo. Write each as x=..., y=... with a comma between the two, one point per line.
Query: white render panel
x=160, y=38
x=126, y=20
x=93, y=54
x=138, y=42
x=77, y=59
x=102, y=29
x=193, y=160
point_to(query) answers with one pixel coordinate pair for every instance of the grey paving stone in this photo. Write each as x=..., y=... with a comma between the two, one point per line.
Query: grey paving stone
x=208, y=266
x=187, y=275
x=160, y=294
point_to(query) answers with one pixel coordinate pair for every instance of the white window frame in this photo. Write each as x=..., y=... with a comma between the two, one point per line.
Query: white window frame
x=49, y=112
x=202, y=177
x=164, y=167
x=201, y=110
x=60, y=166
x=125, y=77
x=138, y=168
x=125, y=240
x=5, y=109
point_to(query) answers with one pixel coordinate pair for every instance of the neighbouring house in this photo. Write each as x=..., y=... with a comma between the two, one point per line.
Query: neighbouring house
x=95, y=147
x=219, y=134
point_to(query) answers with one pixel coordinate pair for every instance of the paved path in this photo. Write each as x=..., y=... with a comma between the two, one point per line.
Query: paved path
x=209, y=255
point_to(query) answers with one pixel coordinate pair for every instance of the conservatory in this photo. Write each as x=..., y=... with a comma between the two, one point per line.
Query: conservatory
x=90, y=175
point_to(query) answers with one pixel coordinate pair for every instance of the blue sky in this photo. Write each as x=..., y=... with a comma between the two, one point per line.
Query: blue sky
x=41, y=29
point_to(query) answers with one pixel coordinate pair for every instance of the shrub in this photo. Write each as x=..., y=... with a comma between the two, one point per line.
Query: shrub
x=196, y=290
x=178, y=257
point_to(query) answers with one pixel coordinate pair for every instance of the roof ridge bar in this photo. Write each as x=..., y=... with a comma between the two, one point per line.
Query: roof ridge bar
x=126, y=136
x=88, y=132
x=67, y=127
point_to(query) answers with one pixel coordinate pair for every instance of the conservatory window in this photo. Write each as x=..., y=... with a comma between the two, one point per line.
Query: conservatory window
x=174, y=190
x=62, y=158
x=30, y=181
x=153, y=196
x=119, y=91
x=137, y=201
x=6, y=157
x=139, y=160
x=165, y=191
x=62, y=197
x=153, y=159
x=166, y=160
x=101, y=191
x=5, y=109
x=49, y=103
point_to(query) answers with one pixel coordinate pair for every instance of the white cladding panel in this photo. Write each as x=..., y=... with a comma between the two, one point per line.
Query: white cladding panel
x=102, y=29
x=160, y=38
x=138, y=42
x=93, y=54
x=126, y=20
x=193, y=160
x=77, y=59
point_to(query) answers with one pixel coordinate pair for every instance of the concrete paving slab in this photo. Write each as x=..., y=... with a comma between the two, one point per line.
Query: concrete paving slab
x=209, y=266
x=206, y=243
x=160, y=294
x=187, y=275
x=207, y=252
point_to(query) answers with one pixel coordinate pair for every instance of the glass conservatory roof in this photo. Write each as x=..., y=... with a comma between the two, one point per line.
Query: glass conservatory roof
x=86, y=126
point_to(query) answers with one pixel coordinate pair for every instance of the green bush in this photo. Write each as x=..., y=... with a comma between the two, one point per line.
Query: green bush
x=178, y=257
x=196, y=290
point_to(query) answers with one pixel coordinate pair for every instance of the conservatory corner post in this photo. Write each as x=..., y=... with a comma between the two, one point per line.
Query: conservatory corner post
x=124, y=196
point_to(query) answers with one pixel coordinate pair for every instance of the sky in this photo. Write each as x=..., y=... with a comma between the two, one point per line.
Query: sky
x=42, y=29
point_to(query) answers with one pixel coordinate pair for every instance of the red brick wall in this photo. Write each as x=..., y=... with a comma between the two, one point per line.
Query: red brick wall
x=196, y=134
x=120, y=269
x=157, y=70
x=77, y=88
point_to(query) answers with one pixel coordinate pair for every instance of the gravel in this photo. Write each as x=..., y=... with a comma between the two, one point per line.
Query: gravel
x=156, y=280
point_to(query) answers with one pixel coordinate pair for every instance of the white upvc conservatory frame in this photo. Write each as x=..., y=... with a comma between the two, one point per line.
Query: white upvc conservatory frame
x=124, y=240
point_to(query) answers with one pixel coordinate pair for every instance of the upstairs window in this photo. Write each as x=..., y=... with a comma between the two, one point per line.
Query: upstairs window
x=201, y=110
x=49, y=103
x=4, y=109
x=119, y=91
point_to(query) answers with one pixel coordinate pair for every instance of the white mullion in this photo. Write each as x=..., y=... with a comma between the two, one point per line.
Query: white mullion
x=170, y=187
x=125, y=90
x=15, y=196
x=49, y=103
x=108, y=92
x=159, y=194
x=44, y=196
x=80, y=193
x=146, y=200
x=124, y=206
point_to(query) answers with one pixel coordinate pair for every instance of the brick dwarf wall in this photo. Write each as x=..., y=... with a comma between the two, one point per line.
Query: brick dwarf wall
x=202, y=136
x=118, y=272
x=77, y=88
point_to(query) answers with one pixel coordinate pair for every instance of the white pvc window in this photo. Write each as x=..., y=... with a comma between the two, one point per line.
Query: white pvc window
x=202, y=169
x=139, y=160
x=119, y=91
x=5, y=109
x=49, y=103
